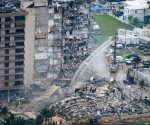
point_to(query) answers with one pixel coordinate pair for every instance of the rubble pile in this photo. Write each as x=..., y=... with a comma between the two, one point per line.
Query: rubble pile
x=97, y=99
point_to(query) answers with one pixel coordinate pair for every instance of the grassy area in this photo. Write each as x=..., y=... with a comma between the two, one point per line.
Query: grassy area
x=144, y=123
x=109, y=26
x=137, y=51
x=125, y=52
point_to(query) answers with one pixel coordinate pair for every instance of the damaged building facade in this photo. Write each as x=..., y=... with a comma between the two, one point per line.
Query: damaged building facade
x=42, y=42
x=61, y=40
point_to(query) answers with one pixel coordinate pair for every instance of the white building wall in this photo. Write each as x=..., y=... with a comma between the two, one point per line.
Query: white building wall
x=140, y=32
x=29, y=48
x=127, y=40
x=138, y=11
x=148, y=30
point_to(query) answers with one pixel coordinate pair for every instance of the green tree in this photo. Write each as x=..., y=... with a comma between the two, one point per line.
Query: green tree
x=18, y=121
x=135, y=21
x=48, y=113
x=3, y=110
x=39, y=119
x=10, y=119
x=147, y=19
x=130, y=18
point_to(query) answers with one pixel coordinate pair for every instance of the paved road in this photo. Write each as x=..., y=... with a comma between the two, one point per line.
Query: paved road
x=96, y=64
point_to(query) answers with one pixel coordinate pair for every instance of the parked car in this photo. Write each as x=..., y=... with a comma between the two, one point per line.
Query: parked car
x=128, y=61
x=119, y=59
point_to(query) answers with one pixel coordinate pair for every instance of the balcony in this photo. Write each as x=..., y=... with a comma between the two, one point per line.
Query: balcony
x=7, y=79
x=11, y=86
x=18, y=83
x=19, y=70
x=10, y=67
x=7, y=26
x=6, y=52
x=13, y=47
x=11, y=59
x=1, y=72
x=9, y=54
x=20, y=18
x=7, y=48
x=19, y=38
x=8, y=19
x=12, y=20
x=19, y=50
x=2, y=45
x=11, y=74
x=19, y=44
x=7, y=38
x=19, y=57
x=12, y=34
x=19, y=25
x=10, y=45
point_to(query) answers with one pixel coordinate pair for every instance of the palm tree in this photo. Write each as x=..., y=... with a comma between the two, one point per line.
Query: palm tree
x=136, y=61
x=142, y=84
x=46, y=114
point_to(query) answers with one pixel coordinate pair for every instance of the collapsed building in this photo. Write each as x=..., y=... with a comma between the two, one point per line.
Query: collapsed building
x=72, y=37
x=59, y=52
x=99, y=98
